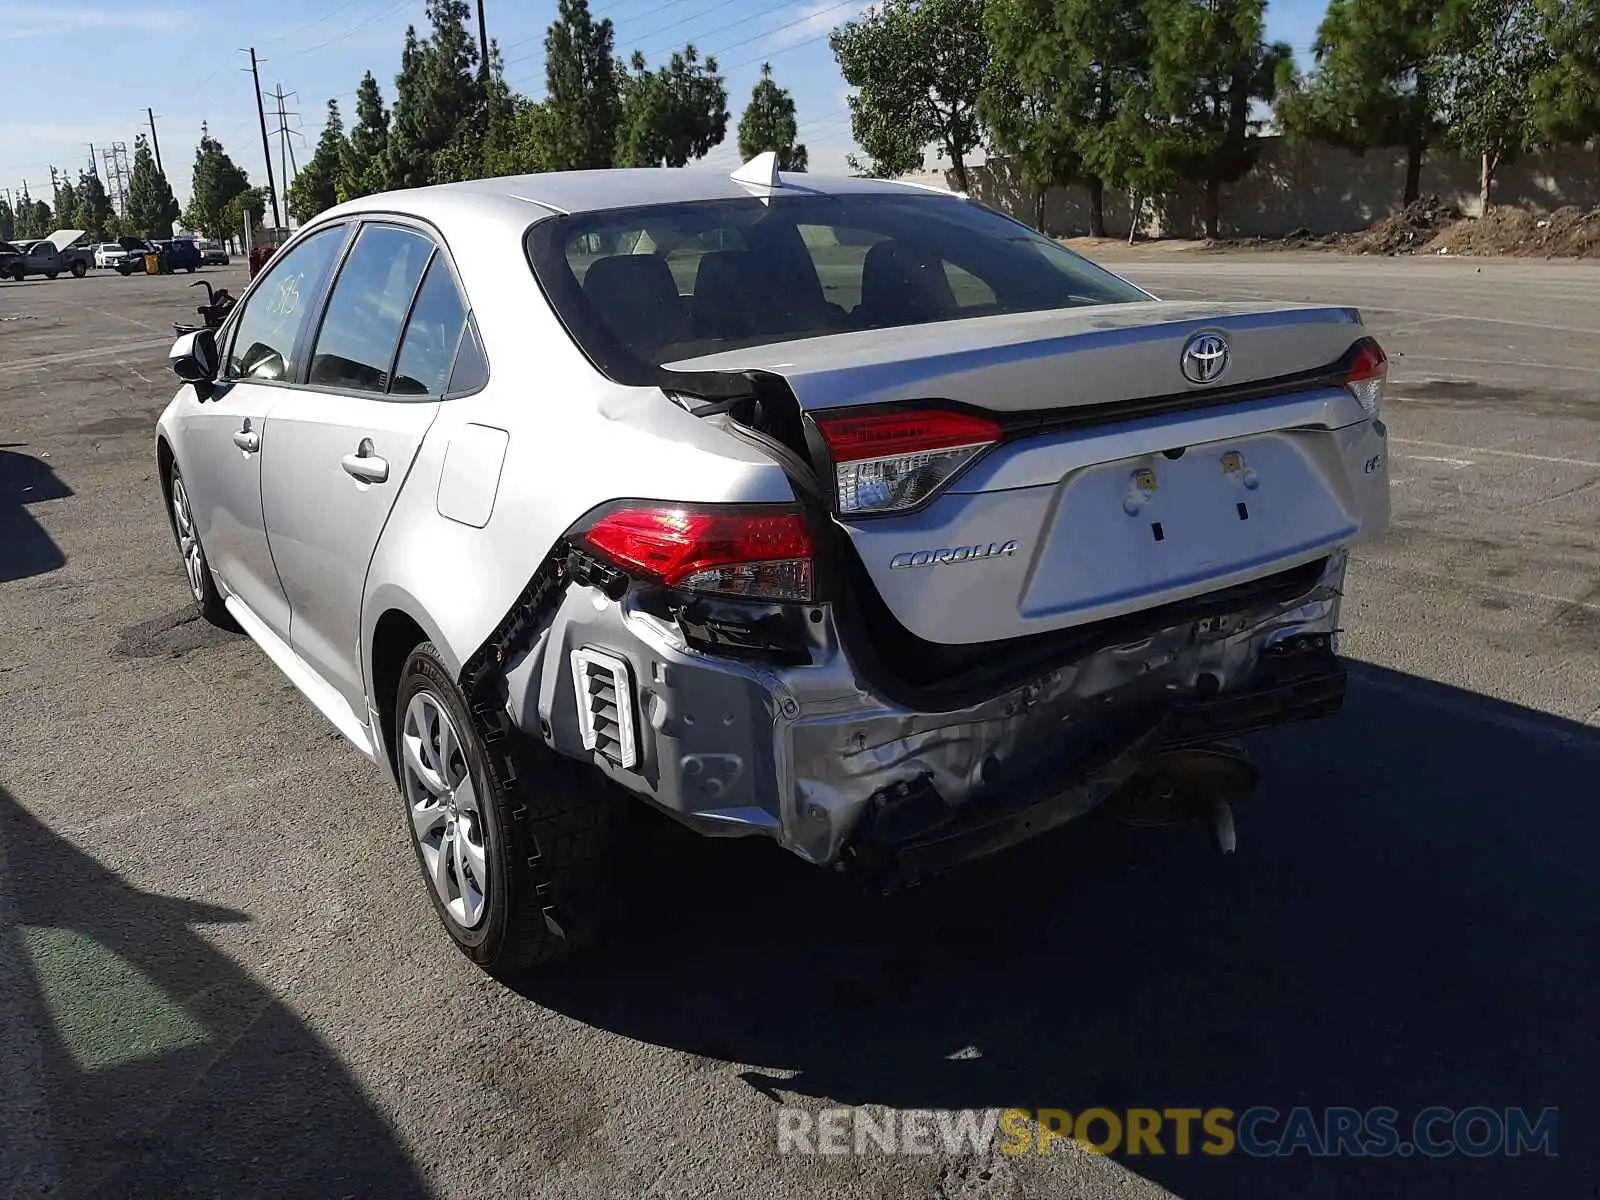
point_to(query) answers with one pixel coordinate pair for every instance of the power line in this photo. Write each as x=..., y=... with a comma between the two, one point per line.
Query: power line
x=770, y=54
x=311, y=24
x=392, y=8
x=810, y=16
x=755, y=16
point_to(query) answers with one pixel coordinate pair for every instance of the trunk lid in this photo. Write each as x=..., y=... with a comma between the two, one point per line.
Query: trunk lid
x=1118, y=483
x=1014, y=363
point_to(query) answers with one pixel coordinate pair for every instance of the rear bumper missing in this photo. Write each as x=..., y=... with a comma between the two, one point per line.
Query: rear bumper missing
x=810, y=757
x=910, y=830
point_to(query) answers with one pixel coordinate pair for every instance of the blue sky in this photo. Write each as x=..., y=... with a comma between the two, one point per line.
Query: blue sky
x=81, y=73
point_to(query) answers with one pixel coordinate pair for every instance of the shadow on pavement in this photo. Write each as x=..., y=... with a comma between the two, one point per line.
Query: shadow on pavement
x=25, y=548
x=1411, y=921
x=140, y=1061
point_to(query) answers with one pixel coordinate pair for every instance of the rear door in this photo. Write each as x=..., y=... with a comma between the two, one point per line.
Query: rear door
x=342, y=443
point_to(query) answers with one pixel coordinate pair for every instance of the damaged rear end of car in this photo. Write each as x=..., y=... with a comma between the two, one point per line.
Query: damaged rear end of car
x=1042, y=555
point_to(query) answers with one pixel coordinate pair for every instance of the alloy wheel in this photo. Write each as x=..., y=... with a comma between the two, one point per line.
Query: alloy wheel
x=446, y=818
x=194, y=558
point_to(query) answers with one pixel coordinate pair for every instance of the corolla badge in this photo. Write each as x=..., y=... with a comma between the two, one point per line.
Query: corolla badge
x=1205, y=358
x=953, y=554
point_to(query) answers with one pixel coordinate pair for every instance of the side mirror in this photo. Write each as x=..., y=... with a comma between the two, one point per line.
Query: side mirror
x=194, y=357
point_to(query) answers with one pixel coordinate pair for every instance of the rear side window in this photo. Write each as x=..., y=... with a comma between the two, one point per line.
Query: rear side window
x=641, y=288
x=361, y=329
x=434, y=331
x=279, y=307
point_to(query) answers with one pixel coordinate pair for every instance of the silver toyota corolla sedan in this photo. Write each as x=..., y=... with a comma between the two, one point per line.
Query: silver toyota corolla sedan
x=839, y=512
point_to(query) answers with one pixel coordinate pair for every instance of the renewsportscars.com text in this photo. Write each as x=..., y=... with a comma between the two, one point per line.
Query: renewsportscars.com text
x=1260, y=1132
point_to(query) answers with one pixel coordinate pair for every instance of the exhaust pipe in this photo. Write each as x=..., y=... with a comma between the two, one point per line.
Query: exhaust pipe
x=1190, y=783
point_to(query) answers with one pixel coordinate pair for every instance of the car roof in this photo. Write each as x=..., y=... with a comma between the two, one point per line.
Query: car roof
x=562, y=192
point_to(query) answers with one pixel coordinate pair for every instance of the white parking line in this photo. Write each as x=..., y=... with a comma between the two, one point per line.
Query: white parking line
x=72, y=356
x=1479, y=584
x=1494, y=362
x=1517, y=454
x=1453, y=462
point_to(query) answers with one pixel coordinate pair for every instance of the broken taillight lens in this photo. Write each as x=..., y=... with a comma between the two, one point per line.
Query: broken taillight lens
x=886, y=462
x=1367, y=376
x=729, y=552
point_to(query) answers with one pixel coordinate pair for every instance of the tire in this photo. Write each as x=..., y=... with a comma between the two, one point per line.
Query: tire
x=543, y=845
x=79, y=270
x=124, y=272
x=18, y=274
x=52, y=274
x=197, y=568
x=190, y=270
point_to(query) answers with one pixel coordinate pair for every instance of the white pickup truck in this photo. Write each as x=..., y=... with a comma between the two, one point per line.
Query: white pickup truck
x=52, y=256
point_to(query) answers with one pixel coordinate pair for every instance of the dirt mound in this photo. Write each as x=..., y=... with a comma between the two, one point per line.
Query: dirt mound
x=1570, y=232
x=1406, y=232
x=1300, y=239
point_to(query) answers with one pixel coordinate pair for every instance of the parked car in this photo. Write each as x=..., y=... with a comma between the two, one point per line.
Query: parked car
x=181, y=253
x=109, y=255
x=888, y=529
x=211, y=253
x=131, y=261
x=54, y=255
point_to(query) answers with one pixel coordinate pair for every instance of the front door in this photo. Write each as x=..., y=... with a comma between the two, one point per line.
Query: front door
x=223, y=437
x=342, y=444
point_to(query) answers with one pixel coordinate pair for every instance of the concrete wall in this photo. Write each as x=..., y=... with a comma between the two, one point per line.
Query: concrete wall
x=1317, y=188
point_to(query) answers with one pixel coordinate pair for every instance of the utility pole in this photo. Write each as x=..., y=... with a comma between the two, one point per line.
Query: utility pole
x=117, y=176
x=483, y=48
x=285, y=147
x=94, y=167
x=266, y=148
x=155, y=142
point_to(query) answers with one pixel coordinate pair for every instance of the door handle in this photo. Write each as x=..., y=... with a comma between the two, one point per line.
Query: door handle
x=247, y=439
x=365, y=465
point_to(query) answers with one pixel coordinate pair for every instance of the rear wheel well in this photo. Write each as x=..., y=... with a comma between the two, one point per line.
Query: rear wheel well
x=395, y=637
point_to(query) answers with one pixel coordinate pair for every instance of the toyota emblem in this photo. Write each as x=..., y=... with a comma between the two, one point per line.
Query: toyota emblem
x=1205, y=358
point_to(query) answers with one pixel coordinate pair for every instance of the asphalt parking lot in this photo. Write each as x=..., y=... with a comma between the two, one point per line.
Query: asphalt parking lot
x=220, y=975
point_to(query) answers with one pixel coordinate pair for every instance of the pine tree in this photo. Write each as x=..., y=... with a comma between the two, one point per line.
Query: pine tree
x=8, y=221
x=438, y=118
x=672, y=114
x=152, y=208
x=366, y=169
x=1375, y=83
x=93, y=210
x=66, y=199
x=26, y=215
x=768, y=123
x=316, y=187
x=576, y=126
x=1208, y=66
x=217, y=180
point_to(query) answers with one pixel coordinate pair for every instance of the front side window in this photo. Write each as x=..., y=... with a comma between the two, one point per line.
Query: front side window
x=645, y=287
x=361, y=330
x=279, y=307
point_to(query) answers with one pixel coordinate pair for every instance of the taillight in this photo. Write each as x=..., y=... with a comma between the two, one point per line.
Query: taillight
x=731, y=552
x=1367, y=376
x=884, y=462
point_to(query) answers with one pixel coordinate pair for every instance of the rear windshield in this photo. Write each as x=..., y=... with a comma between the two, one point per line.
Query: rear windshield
x=640, y=287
